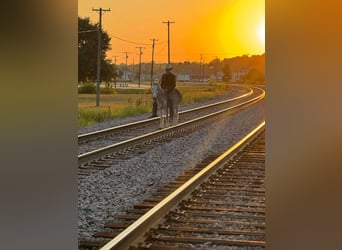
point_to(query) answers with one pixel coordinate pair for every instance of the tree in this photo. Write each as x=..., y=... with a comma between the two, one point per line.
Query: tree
x=255, y=76
x=227, y=73
x=214, y=65
x=87, y=52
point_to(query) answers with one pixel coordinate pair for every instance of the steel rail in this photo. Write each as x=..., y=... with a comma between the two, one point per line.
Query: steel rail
x=98, y=153
x=136, y=230
x=116, y=129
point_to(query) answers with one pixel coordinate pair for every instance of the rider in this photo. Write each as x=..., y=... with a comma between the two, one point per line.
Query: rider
x=168, y=82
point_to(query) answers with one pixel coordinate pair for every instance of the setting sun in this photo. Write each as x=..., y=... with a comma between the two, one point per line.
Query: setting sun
x=261, y=32
x=218, y=28
x=241, y=29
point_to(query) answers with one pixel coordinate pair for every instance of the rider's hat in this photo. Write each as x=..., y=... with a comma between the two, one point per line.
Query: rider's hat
x=168, y=66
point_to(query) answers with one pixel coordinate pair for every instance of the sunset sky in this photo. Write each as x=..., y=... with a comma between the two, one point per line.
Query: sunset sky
x=216, y=28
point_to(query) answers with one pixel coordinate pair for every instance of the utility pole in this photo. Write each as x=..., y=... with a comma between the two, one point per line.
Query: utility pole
x=126, y=69
x=200, y=71
x=98, y=78
x=153, y=40
x=203, y=65
x=168, y=40
x=133, y=70
x=115, y=59
x=115, y=71
x=140, y=53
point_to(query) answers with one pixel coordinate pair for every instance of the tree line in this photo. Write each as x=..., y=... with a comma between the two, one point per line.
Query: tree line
x=243, y=68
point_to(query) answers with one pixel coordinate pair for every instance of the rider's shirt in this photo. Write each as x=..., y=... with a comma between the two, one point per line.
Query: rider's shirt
x=168, y=81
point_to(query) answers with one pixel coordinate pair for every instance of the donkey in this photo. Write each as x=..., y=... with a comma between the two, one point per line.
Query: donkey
x=161, y=96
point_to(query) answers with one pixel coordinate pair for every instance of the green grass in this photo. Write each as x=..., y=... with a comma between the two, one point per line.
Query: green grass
x=196, y=92
x=89, y=116
x=126, y=102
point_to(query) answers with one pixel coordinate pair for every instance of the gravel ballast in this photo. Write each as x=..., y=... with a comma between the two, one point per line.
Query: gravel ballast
x=107, y=193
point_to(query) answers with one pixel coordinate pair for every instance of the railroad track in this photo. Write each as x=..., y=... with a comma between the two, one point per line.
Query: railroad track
x=219, y=204
x=104, y=157
x=127, y=131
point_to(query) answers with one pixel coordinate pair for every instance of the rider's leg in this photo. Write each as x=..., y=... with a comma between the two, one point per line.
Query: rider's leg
x=154, y=108
x=170, y=106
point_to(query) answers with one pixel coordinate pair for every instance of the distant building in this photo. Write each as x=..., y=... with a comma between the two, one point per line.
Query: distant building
x=183, y=77
x=238, y=76
x=127, y=75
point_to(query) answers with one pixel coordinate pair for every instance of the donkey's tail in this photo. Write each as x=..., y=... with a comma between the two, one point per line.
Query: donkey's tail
x=179, y=94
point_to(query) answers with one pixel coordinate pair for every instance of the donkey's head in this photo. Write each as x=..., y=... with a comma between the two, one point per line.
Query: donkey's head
x=155, y=90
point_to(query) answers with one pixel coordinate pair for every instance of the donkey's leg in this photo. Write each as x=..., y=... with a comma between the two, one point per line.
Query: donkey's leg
x=172, y=112
x=175, y=116
x=161, y=125
x=167, y=115
x=172, y=117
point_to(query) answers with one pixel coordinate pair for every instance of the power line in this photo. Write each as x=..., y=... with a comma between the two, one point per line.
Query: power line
x=162, y=49
x=137, y=43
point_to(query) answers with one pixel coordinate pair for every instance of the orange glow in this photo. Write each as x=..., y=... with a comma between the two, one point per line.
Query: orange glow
x=217, y=28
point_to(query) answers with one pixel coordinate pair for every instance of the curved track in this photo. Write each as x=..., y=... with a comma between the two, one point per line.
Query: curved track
x=219, y=204
x=104, y=157
x=109, y=136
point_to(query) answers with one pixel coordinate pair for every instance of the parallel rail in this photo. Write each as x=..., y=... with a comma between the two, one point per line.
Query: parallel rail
x=164, y=133
x=239, y=175
x=105, y=132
